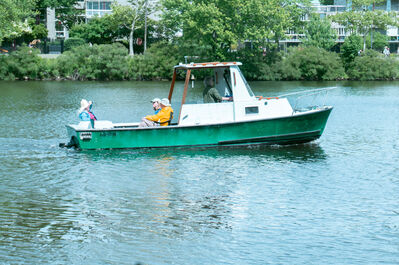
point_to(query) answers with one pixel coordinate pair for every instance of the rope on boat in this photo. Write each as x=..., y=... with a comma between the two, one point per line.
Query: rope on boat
x=305, y=93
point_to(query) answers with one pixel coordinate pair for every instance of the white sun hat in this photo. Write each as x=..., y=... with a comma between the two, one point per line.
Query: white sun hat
x=84, y=104
x=156, y=100
x=165, y=102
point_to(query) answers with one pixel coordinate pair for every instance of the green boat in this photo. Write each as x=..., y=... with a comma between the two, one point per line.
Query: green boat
x=244, y=120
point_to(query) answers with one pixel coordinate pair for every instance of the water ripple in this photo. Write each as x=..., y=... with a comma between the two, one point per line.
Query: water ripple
x=333, y=201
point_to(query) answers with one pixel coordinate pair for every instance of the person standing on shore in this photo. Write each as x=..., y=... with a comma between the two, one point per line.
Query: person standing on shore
x=386, y=51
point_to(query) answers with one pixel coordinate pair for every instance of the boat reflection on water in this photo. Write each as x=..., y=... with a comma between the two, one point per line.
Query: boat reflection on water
x=183, y=191
x=296, y=153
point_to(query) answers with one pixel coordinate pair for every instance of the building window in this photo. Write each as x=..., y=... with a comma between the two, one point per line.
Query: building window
x=98, y=8
x=105, y=5
x=99, y=5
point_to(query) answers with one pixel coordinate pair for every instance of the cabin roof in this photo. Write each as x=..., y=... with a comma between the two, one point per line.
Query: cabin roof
x=206, y=65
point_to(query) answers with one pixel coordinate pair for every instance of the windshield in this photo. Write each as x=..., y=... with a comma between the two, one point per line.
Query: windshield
x=246, y=84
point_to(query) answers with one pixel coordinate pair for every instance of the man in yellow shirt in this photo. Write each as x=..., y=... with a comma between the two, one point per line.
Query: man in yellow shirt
x=162, y=118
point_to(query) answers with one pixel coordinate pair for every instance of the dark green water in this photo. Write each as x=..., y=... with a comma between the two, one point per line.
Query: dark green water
x=333, y=201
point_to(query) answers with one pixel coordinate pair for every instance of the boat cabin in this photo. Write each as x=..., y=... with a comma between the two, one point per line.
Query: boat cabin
x=229, y=82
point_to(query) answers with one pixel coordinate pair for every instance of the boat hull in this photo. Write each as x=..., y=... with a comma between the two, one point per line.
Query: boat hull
x=285, y=130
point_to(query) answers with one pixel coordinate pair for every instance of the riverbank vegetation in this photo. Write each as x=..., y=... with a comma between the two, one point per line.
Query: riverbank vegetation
x=111, y=62
x=121, y=46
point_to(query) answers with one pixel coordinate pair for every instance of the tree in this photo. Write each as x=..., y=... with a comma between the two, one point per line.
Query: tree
x=350, y=49
x=312, y=63
x=13, y=17
x=39, y=31
x=362, y=18
x=284, y=15
x=150, y=7
x=217, y=24
x=378, y=40
x=66, y=11
x=318, y=33
x=99, y=30
x=127, y=17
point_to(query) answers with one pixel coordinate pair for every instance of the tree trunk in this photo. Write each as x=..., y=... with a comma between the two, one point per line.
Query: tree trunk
x=131, y=49
x=371, y=39
x=364, y=42
x=145, y=27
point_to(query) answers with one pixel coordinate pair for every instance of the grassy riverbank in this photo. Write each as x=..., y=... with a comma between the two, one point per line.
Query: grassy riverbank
x=111, y=62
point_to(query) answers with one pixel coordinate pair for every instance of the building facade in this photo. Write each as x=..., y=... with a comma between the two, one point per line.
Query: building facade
x=90, y=9
x=293, y=38
x=99, y=8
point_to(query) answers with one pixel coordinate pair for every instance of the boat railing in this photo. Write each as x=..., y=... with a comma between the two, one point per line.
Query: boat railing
x=312, y=98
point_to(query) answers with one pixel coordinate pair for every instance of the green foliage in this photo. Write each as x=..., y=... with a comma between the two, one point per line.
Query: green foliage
x=363, y=4
x=362, y=20
x=373, y=65
x=39, y=31
x=194, y=49
x=51, y=69
x=258, y=65
x=13, y=17
x=311, y=63
x=73, y=42
x=350, y=49
x=327, y=2
x=99, y=62
x=318, y=33
x=23, y=64
x=66, y=10
x=216, y=25
x=4, y=73
x=29, y=31
x=155, y=64
x=130, y=17
x=379, y=41
x=96, y=31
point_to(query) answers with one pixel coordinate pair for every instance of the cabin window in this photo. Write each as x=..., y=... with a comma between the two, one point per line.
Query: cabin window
x=246, y=85
x=251, y=110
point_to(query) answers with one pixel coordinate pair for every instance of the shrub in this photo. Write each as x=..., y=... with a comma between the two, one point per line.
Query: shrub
x=99, y=30
x=318, y=33
x=379, y=41
x=311, y=63
x=25, y=63
x=73, y=42
x=259, y=66
x=39, y=31
x=350, y=49
x=99, y=62
x=155, y=64
x=70, y=62
x=3, y=67
x=373, y=65
x=50, y=69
